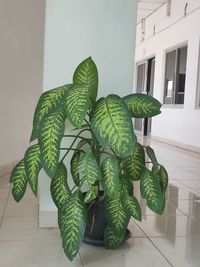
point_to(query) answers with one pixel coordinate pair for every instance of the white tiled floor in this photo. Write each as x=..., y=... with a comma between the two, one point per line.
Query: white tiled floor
x=172, y=239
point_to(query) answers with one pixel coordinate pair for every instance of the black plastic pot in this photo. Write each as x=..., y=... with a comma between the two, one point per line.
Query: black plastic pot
x=96, y=224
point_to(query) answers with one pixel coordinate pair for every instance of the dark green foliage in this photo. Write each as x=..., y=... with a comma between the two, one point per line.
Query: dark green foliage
x=72, y=224
x=33, y=165
x=108, y=157
x=112, y=125
x=150, y=188
x=60, y=191
x=110, y=176
x=134, y=165
x=19, y=181
x=50, y=136
x=142, y=106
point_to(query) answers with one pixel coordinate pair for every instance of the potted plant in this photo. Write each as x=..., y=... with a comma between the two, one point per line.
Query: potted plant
x=106, y=163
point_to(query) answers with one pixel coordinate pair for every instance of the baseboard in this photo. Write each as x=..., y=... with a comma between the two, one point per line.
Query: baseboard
x=7, y=168
x=176, y=144
x=48, y=219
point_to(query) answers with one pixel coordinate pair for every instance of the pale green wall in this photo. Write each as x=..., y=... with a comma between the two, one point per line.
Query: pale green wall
x=76, y=29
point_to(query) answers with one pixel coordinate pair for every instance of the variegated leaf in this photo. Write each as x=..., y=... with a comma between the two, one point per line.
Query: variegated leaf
x=110, y=176
x=125, y=185
x=91, y=194
x=161, y=174
x=150, y=189
x=19, y=181
x=142, y=106
x=88, y=168
x=86, y=73
x=60, y=191
x=163, y=178
x=112, y=125
x=50, y=135
x=116, y=215
x=72, y=224
x=134, y=164
x=132, y=206
x=111, y=239
x=151, y=154
x=32, y=160
x=49, y=102
x=74, y=167
x=77, y=103
x=83, y=142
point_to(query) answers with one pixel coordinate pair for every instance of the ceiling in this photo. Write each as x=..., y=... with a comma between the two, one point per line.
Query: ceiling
x=146, y=7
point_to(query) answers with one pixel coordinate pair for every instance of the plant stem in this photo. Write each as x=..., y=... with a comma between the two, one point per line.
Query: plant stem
x=73, y=143
x=77, y=186
x=73, y=188
x=81, y=137
x=74, y=149
x=87, y=123
x=104, y=152
x=114, y=153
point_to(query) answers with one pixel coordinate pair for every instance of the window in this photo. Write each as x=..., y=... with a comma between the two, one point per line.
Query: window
x=169, y=3
x=141, y=78
x=145, y=84
x=198, y=84
x=175, y=75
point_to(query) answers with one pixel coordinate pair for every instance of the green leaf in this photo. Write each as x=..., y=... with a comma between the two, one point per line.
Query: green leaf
x=77, y=103
x=111, y=239
x=50, y=136
x=142, y=106
x=74, y=167
x=83, y=126
x=151, y=154
x=116, y=215
x=60, y=191
x=110, y=176
x=161, y=174
x=32, y=160
x=150, y=189
x=86, y=73
x=88, y=168
x=49, y=102
x=72, y=224
x=19, y=181
x=112, y=125
x=126, y=185
x=134, y=164
x=91, y=194
x=83, y=142
x=132, y=206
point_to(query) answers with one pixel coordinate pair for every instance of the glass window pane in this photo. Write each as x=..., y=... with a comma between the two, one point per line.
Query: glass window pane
x=140, y=87
x=169, y=76
x=181, y=75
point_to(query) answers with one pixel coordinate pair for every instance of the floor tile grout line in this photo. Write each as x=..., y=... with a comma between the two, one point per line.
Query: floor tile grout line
x=83, y=265
x=29, y=240
x=162, y=254
x=3, y=215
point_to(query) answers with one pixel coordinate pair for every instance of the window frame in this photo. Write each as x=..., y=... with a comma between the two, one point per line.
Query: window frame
x=197, y=100
x=174, y=48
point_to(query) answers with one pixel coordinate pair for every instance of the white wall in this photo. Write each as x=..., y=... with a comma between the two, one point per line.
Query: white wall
x=180, y=124
x=77, y=29
x=21, y=58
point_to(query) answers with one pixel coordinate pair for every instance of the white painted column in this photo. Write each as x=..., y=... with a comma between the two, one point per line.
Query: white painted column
x=75, y=30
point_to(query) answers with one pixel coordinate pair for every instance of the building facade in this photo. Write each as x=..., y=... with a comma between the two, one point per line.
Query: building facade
x=167, y=67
